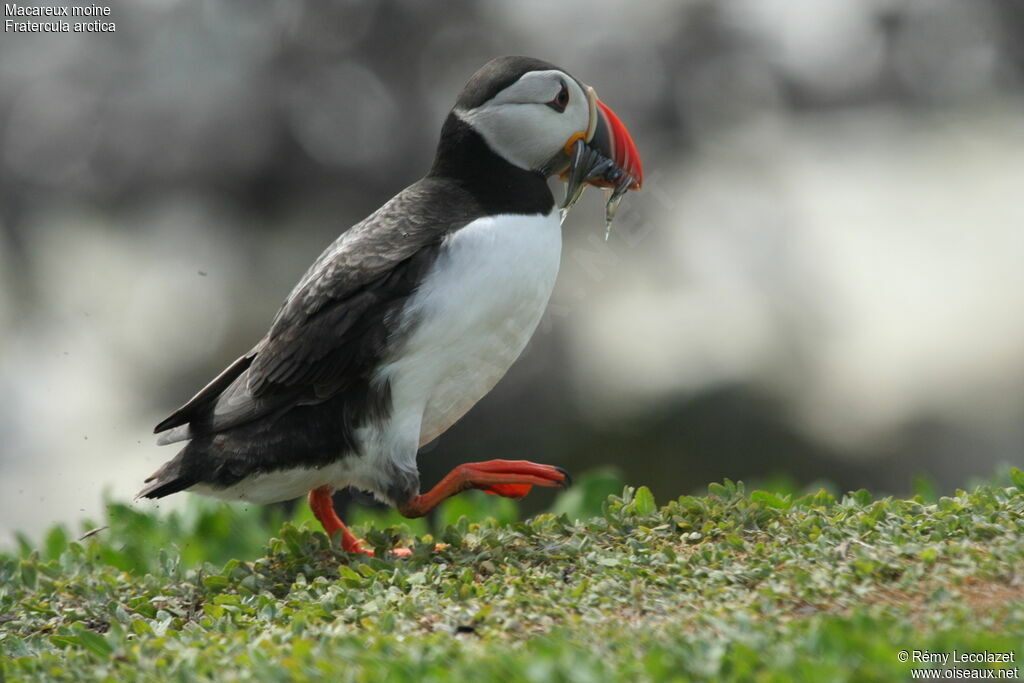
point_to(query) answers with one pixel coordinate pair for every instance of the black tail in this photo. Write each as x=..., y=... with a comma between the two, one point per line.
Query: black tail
x=166, y=480
x=207, y=395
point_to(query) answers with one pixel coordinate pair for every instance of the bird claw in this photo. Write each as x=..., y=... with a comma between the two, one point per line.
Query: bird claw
x=394, y=552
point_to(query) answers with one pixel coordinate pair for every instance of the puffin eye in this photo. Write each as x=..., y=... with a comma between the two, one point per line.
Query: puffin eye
x=561, y=100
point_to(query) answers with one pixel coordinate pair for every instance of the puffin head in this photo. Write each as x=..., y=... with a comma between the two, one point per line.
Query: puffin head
x=540, y=118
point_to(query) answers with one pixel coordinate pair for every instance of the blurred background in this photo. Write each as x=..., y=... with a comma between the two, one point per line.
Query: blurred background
x=822, y=280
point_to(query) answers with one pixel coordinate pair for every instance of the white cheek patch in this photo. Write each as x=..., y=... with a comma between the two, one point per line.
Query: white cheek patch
x=519, y=126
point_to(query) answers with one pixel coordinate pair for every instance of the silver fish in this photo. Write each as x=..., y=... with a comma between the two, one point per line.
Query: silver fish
x=588, y=164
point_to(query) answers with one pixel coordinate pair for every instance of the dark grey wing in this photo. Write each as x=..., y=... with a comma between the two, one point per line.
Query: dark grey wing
x=203, y=398
x=339, y=320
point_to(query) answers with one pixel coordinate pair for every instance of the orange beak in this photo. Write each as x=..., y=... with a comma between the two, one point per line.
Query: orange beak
x=604, y=156
x=613, y=140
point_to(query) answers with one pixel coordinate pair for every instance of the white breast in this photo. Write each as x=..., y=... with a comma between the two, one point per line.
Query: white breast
x=470, y=319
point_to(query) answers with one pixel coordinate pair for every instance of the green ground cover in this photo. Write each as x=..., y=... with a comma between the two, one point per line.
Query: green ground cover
x=731, y=585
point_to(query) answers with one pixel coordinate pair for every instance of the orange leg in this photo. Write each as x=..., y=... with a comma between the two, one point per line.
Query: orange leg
x=323, y=509
x=508, y=478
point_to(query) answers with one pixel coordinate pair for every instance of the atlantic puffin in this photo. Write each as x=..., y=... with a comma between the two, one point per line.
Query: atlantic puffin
x=411, y=316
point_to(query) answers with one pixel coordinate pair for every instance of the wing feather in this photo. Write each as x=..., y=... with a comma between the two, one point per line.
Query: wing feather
x=339, y=321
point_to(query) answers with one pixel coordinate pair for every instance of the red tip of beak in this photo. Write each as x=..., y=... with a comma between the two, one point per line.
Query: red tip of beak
x=623, y=151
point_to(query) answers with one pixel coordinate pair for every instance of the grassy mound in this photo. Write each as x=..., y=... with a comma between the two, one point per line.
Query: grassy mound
x=727, y=586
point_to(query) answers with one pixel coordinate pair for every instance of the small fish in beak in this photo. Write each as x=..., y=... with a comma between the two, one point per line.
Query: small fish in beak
x=586, y=164
x=589, y=167
x=606, y=158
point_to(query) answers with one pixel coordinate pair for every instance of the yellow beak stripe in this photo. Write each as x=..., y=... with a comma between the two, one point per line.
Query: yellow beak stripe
x=588, y=134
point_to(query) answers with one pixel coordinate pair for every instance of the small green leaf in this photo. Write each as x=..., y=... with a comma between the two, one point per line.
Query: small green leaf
x=216, y=582
x=56, y=543
x=95, y=643
x=643, y=502
x=862, y=497
x=769, y=499
x=64, y=641
x=29, y=575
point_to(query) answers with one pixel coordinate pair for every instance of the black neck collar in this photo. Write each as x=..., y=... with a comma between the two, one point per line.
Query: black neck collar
x=465, y=158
